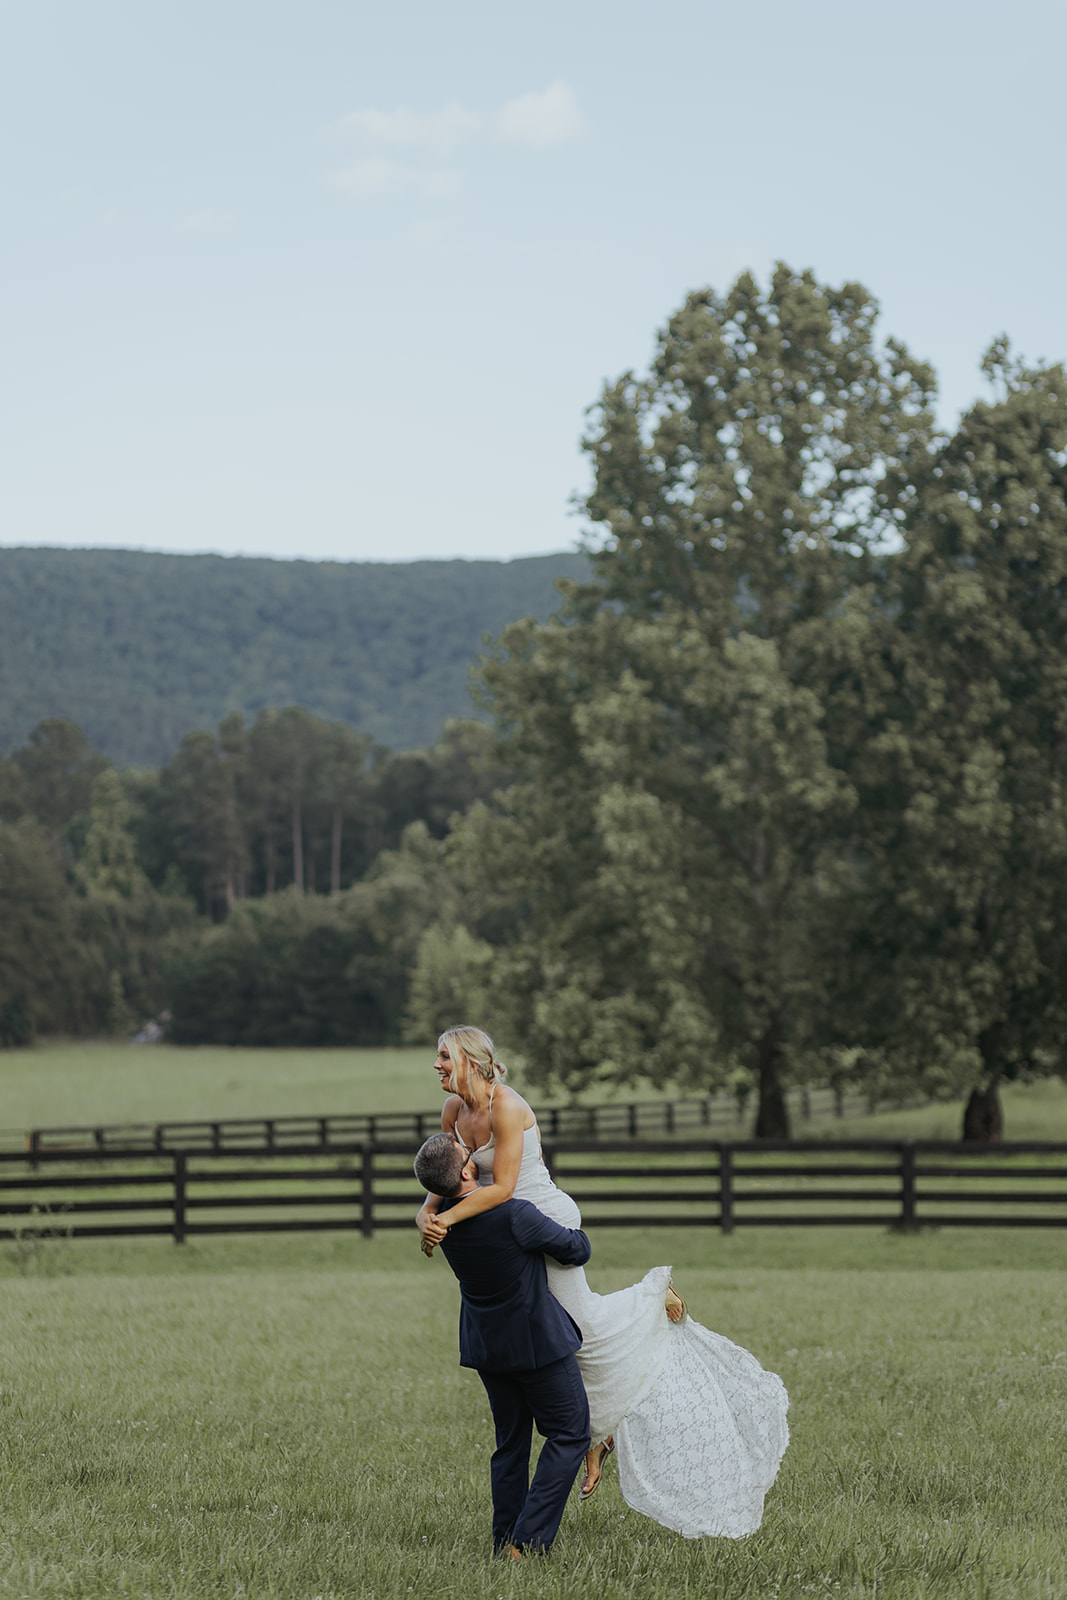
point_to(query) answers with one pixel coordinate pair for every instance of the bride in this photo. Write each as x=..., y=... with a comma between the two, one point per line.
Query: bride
x=699, y=1426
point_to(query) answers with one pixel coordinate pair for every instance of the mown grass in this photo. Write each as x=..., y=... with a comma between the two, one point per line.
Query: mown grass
x=85, y=1084
x=286, y=1418
x=81, y=1083
x=1031, y=1111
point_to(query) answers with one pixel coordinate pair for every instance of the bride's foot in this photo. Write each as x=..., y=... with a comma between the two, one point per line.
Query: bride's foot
x=594, y=1466
x=677, y=1310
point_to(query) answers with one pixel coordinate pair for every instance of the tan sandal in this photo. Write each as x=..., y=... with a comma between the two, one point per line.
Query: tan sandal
x=594, y=1467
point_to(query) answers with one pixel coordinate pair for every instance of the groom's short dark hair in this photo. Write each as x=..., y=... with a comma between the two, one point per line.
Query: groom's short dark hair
x=439, y=1165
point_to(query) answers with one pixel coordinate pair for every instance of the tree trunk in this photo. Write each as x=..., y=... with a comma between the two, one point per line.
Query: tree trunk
x=983, y=1120
x=298, y=846
x=772, y=1117
x=335, y=852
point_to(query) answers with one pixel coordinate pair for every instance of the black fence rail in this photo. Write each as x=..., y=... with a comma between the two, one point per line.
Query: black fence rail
x=706, y=1183
x=632, y=1120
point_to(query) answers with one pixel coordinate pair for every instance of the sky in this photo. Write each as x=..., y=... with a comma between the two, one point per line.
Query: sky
x=334, y=280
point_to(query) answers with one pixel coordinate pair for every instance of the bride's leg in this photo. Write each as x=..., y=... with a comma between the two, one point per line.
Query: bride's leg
x=569, y=1286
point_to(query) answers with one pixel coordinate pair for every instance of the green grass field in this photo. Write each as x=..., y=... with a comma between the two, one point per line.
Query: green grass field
x=286, y=1418
x=99, y=1082
x=82, y=1084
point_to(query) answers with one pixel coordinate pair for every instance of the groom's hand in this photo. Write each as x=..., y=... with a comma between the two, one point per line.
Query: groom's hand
x=433, y=1231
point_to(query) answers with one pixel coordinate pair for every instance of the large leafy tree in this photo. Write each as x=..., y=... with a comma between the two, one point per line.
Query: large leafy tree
x=682, y=790
x=960, y=950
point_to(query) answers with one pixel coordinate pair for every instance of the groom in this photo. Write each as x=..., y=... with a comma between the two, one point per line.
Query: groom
x=520, y=1341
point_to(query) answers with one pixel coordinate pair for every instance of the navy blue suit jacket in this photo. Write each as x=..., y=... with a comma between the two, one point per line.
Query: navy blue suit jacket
x=509, y=1321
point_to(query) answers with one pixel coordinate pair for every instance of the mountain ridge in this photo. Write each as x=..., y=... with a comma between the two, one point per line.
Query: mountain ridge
x=140, y=647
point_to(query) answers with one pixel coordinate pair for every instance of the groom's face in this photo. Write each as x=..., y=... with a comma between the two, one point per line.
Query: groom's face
x=469, y=1170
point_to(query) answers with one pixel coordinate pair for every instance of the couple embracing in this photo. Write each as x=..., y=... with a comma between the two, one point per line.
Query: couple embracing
x=699, y=1427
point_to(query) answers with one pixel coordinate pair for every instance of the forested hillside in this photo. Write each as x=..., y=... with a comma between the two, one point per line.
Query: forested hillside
x=138, y=648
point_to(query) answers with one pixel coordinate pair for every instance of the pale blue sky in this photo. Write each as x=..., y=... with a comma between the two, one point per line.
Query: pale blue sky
x=324, y=279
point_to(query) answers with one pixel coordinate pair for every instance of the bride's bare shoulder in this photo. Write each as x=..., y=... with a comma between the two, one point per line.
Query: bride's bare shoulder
x=514, y=1106
x=450, y=1111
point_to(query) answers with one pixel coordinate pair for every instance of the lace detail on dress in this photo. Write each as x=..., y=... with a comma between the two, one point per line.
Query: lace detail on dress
x=700, y=1427
x=702, y=1447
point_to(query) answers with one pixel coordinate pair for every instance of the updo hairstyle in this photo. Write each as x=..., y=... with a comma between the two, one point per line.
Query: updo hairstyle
x=478, y=1049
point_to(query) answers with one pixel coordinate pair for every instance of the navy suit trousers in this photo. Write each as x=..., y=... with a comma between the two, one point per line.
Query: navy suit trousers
x=528, y=1514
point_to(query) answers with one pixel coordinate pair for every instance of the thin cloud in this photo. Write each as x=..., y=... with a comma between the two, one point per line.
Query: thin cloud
x=434, y=133
x=541, y=120
x=378, y=175
x=405, y=150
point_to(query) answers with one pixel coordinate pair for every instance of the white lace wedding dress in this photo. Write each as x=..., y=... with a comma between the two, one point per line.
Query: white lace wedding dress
x=699, y=1426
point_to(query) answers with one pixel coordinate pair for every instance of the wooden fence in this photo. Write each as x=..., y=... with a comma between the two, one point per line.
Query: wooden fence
x=704, y=1183
x=633, y=1120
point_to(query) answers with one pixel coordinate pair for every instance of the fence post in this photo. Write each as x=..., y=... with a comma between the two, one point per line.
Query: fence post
x=180, y=1159
x=270, y=1133
x=367, y=1204
x=726, y=1188
x=35, y=1150
x=907, y=1187
x=324, y=1133
x=670, y=1116
x=805, y=1103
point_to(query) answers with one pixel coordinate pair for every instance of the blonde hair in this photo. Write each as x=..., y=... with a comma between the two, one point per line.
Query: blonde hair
x=477, y=1049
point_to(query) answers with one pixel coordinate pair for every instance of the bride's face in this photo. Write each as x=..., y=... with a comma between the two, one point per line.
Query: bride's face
x=444, y=1069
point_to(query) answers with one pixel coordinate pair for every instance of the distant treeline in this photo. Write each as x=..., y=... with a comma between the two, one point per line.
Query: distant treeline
x=138, y=648
x=112, y=883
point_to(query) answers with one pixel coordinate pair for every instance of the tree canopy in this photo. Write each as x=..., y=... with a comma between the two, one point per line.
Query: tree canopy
x=785, y=766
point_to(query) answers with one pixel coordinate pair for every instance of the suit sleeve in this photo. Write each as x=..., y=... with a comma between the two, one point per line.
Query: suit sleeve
x=537, y=1233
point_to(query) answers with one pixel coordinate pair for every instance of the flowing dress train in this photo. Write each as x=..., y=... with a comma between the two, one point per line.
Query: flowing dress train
x=699, y=1426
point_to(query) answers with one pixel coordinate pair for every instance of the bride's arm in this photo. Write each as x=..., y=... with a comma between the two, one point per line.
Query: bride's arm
x=428, y=1210
x=507, y=1158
